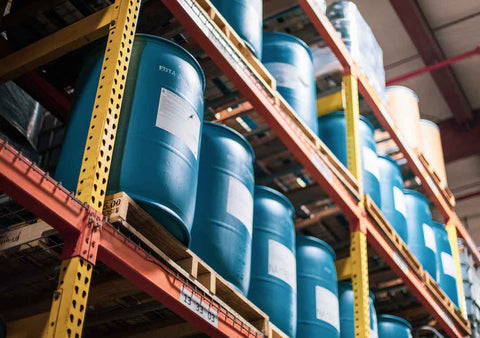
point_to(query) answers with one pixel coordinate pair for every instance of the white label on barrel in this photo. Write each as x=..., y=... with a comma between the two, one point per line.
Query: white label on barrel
x=287, y=75
x=448, y=264
x=281, y=263
x=399, y=201
x=370, y=161
x=429, y=237
x=240, y=203
x=327, y=306
x=178, y=117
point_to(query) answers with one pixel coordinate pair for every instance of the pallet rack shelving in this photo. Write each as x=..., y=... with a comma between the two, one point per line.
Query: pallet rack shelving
x=88, y=236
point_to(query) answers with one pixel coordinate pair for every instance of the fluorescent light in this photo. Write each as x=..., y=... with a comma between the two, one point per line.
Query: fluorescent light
x=301, y=182
x=243, y=124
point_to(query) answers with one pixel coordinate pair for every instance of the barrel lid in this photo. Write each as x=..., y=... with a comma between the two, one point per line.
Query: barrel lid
x=433, y=124
x=438, y=225
x=342, y=114
x=415, y=193
x=180, y=48
x=388, y=158
x=285, y=36
x=282, y=197
x=317, y=241
x=395, y=319
x=402, y=88
x=349, y=286
x=228, y=130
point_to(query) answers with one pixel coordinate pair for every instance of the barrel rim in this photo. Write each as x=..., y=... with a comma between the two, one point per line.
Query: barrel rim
x=394, y=318
x=403, y=88
x=388, y=158
x=342, y=114
x=177, y=46
x=318, y=241
x=415, y=193
x=350, y=285
x=433, y=124
x=276, y=193
x=438, y=225
x=234, y=132
x=290, y=37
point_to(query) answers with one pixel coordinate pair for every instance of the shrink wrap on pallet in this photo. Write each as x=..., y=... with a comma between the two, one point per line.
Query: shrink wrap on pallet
x=359, y=40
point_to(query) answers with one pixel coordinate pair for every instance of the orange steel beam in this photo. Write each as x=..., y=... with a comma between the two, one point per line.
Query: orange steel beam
x=34, y=189
x=388, y=253
x=195, y=21
x=328, y=33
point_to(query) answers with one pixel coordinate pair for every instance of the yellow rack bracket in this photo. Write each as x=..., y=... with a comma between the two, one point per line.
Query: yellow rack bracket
x=329, y=103
x=344, y=268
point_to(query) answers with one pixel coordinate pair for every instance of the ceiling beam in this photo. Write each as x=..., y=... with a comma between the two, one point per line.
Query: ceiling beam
x=459, y=141
x=430, y=51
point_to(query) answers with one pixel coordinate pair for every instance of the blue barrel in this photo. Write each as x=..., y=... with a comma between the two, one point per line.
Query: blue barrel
x=155, y=159
x=347, y=321
x=446, y=271
x=246, y=18
x=332, y=130
x=222, y=227
x=393, y=327
x=289, y=60
x=317, y=295
x=393, y=199
x=421, y=238
x=273, y=281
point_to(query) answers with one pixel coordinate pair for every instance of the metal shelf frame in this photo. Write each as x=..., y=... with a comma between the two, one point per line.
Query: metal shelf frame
x=87, y=234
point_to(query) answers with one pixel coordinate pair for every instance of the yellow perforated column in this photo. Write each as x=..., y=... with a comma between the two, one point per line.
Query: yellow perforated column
x=70, y=298
x=358, y=238
x=359, y=263
x=352, y=115
x=452, y=238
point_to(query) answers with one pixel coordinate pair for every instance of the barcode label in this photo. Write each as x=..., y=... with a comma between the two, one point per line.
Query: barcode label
x=200, y=308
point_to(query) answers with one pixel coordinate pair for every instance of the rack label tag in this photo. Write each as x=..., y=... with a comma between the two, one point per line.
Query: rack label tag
x=200, y=308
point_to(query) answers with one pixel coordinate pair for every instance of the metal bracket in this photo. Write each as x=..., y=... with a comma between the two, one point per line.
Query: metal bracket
x=85, y=244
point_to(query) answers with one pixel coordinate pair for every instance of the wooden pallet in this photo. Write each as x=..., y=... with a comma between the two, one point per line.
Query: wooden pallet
x=416, y=267
x=122, y=211
x=250, y=59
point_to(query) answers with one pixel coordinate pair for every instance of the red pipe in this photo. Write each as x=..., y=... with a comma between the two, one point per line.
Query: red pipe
x=435, y=66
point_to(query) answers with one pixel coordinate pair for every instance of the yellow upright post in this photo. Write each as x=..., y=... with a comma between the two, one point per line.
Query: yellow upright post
x=70, y=299
x=359, y=264
x=352, y=116
x=358, y=238
x=452, y=237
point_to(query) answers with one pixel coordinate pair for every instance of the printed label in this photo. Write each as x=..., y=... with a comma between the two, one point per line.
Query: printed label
x=448, y=264
x=287, y=75
x=370, y=161
x=327, y=307
x=399, y=201
x=429, y=237
x=281, y=263
x=177, y=116
x=200, y=308
x=321, y=167
x=240, y=203
x=401, y=263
